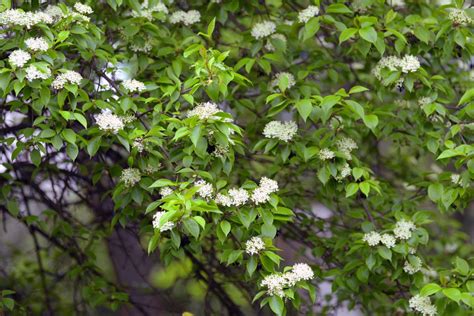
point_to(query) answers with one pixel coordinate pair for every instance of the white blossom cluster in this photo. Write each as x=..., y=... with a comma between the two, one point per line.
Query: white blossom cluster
x=284, y=131
x=147, y=12
x=133, y=85
x=186, y=18
x=456, y=179
x=109, y=122
x=156, y=222
x=372, y=238
x=54, y=12
x=144, y=48
x=269, y=46
x=459, y=17
x=37, y=44
x=165, y=191
x=326, y=154
x=388, y=240
x=83, y=8
x=235, y=197
x=403, y=229
x=262, y=193
x=422, y=304
x=18, y=58
x=346, y=146
x=412, y=268
x=406, y=64
x=69, y=76
x=305, y=15
x=130, y=177
x=254, y=246
x=278, y=76
x=205, y=189
x=345, y=171
x=138, y=144
x=17, y=17
x=204, y=110
x=33, y=72
x=263, y=29
x=276, y=283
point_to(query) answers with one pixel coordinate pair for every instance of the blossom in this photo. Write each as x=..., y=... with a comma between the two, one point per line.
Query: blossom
x=388, y=240
x=299, y=272
x=186, y=18
x=147, y=13
x=459, y=17
x=284, y=131
x=403, y=229
x=83, y=8
x=222, y=199
x=109, y=122
x=254, y=246
x=204, y=110
x=263, y=29
x=33, y=72
x=406, y=64
x=130, y=177
x=18, y=58
x=205, y=189
x=37, y=44
x=305, y=15
x=372, y=238
x=165, y=191
x=455, y=178
x=274, y=284
x=144, y=48
x=422, y=304
x=326, y=154
x=69, y=76
x=409, y=63
x=239, y=196
x=54, y=12
x=413, y=266
x=138, y=144
x=280, y=75
x=269, y=46
x=17, y=17
x=156, y=222
x=346, y=145
x=262, y=193
x=344, y=172
x=133, y=85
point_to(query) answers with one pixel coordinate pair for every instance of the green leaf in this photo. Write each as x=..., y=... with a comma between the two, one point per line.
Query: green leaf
x=69, y=135
x=311, y=28
x=467, y=96
x=277, y=305
x=435, y=191
x=369, y=34
x=430, y=289
x=225, y=227
x=195, y=134
x=357, y=89
x=351, y=189
x=192, y=227
x=371, y=121
x=462, y=266
x=162, y=183
x=384, y=252
x=13, y=208
x=304, y=108
x=347, y=34
x=338, y=8
x=8, y=302
x=453, y=294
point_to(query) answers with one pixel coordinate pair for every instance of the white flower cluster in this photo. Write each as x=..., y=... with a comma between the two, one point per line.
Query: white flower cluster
x=459, y=17
x=406, y=64
x=138, y=144
x=412, y=268
x=344, y=171
x=186, y=18
x=54, y=12
x=130, y=177
x=147, y=12
x=346, y=146
x=276, y=283
x=269, y=46
x=388, y=240
x=18, y=58
x=263, y=29
x=156, y=222
x=403, y=229
x=83, y=8
x=422, y=304
x=205, y=189
x=456, y=179
x=326, y=154
x=236, y=197
x=33, y=72
x=204, y=110
x=69, y=76
x=278, y=76
x=16, y=17
x=284, y=131
x=144, y=48
x=254, y=246
x=305, y=15
x=165, y=191
x=37, y=44
x=133, y=85
x=262, y=193
x=109, y=122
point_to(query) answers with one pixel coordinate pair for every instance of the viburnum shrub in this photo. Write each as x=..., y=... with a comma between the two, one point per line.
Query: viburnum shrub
x=299, y=157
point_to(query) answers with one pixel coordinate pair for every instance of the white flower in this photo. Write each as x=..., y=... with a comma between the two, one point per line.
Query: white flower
x=109, y=122
x=83, y=8
x=274, y=284
x=284, y=131
x=299, y=272
x=18, y=58
x=222, y=199
x=269, y=46
x=156, y=222
x=262, y=194
x=345, y=171
x=388, y=240
x=372, y=238
x=16, y=17
x=412, y=268
x=32, y=73
x=397, y=3
x=130, y=177
x=144, y=48
x=346, y=146
x=268, y=185
x=455, y=179
x=409, y=63
x=133, y=85
x=138, y=144
x=460, y=17
x=326, y=154
x=305, y=15
x=54, y=12
x=205, y=189
x=69, y=76
x=204, y=110
x=263, y=29
x=406, y=64
x=37, y=44
x=424, y=101
x=422, y=304
x=254, y=246
x=278, y=76
x=187, y=18
x=165, y=191
x=239, y=196
x=403, y=229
